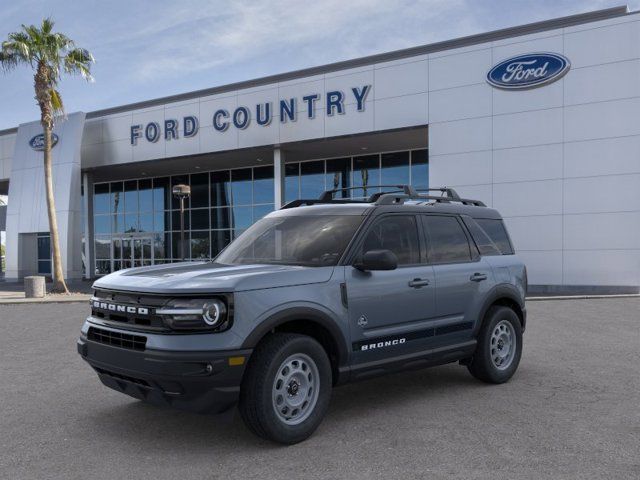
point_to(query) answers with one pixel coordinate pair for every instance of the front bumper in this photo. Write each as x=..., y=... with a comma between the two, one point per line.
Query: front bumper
x=202, y=382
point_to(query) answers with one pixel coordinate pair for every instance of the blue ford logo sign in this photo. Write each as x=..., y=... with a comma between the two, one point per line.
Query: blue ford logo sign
x=37, y=142
x=528, y=71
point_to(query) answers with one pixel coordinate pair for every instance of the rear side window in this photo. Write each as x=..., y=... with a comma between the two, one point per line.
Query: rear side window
x=397, y=233
x=482, y=240
x=447, y=242
x=497, y=233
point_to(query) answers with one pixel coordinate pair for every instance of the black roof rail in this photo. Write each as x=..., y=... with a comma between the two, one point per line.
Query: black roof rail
x=406, y=189
x=400, y=195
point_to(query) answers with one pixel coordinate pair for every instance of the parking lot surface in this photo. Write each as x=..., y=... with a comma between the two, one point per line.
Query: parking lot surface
x=571, y=411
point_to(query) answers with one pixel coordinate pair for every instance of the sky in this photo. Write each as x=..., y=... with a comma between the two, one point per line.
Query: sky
x=147, y=49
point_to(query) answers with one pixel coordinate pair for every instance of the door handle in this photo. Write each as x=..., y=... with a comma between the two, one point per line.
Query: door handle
x=418, y=282
x=478, y=277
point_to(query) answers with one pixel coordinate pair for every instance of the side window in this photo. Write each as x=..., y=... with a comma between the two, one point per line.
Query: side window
x=496, y=231
x=397, y=233
x=447, y=242
x=484, y=243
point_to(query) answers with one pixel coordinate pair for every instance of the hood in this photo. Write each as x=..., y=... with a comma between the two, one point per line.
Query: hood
x=201, y=277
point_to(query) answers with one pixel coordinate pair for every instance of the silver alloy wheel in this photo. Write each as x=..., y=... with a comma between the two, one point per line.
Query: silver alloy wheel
x=503, y=345
x=295, y=389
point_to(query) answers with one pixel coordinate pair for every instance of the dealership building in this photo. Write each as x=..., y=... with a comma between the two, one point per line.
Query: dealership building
x=540, y=121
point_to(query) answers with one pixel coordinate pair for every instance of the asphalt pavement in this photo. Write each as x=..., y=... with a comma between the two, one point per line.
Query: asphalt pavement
x=572, y=411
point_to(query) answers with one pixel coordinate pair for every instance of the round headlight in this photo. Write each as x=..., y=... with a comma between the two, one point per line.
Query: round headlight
x=213, y=313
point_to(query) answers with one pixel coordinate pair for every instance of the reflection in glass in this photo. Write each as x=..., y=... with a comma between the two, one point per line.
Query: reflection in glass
x=116, y=197
x=146, y=222
x=177, y=180
x=101, y=198
x=242, y=217
x=199, y=245
x=291, y=182
x=311, y=179
x=117, y=223
x=131, y=196
x=102, y=224
x=241, y=186
x=220, y=189
x=263, y=185
x=131, y=222
x=395, y=169
x=220, y=218
x=200, y=190
x=339, y=176
x=200, y=219
x=366, y=171
x=219, y=240
x=161, y=193
x=175, y=220
x=420, y=168
x=103, y=247
x=260, y=211
x=145, y=195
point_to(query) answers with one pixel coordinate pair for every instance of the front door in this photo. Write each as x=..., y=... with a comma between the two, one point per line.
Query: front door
x=389, y=311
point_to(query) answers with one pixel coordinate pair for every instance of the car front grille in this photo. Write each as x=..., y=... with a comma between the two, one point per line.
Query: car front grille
x=137, y=311
x=117, y=339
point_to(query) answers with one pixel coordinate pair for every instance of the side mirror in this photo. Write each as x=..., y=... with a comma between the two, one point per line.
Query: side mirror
x=377, y=260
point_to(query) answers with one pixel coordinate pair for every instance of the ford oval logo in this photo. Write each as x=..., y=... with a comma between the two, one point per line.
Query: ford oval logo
x=37, y=142
x=528, y=71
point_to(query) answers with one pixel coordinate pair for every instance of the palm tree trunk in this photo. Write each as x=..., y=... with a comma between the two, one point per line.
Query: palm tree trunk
x=59, y=285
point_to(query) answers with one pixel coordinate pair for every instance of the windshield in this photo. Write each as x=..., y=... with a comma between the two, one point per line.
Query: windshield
x=314, y=240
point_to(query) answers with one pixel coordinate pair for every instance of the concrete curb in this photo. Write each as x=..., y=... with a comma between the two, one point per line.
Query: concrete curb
x=582, y=297
x=56, y=299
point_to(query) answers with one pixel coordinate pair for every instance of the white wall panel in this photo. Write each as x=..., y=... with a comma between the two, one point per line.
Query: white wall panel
x=547, y=228
x=402, y=79
x=601, y=120
x=602, y=231
x=460, y=136
x=528, y=198
x=350, y=122
x=513, y=101
x=484, y=193
x=612, y=193
x=397, y=112
x=345, y=83
x=117, y=127
x=539, y=162
x=528, y=128
x=599, y=83
x=471, y=168
x=543, y=267
x=603, y=45
x=212, y=140
x=602, y=267
x=459, y=103
x=550, y=41
x=602, y=157
x=304, y=128
x=92, y=132
x=460, y=69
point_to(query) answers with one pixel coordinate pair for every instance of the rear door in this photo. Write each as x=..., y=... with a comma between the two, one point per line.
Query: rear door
x=462, y=277
x=389, y=310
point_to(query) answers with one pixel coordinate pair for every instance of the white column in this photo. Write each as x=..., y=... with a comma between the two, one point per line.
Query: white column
x=278, y=178
x=87, y=206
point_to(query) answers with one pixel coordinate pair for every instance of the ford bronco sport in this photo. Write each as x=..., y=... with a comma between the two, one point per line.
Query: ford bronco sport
x=316, y=294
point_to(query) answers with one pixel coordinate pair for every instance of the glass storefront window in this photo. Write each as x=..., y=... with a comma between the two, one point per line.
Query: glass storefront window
x=263, y=185
x=291, y=182
x=311, y=179
x=366, y=172
x=395, y=169
x=241, y=186
x=420, y=168
x=145, y=195
x=179, y=180
x=137, y=222
x=200, y=190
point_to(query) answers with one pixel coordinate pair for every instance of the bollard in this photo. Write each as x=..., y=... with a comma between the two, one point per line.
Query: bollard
x=34, y=287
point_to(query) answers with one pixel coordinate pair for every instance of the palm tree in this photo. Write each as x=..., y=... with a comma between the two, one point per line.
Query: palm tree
x=49, y=54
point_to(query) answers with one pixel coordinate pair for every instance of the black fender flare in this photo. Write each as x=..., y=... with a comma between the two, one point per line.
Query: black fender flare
x=301, y=313
x=499, y=292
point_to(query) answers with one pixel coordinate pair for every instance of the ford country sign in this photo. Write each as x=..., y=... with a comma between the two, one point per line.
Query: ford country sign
x=37, y=142
x=528, y=71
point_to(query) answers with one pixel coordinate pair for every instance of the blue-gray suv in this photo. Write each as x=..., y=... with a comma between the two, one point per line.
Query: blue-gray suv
x=316, y=294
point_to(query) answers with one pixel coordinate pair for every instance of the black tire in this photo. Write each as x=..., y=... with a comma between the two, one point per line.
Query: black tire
x=257, y=405
x=482, y=366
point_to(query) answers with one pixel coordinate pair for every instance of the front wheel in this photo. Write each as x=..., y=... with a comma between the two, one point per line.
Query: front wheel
x=286, y=390
x=499, y=346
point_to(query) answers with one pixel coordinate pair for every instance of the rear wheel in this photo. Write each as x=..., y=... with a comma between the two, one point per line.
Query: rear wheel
x=499, y=346
x=286, y=390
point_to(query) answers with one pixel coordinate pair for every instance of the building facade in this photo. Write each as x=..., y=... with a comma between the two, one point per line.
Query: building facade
x=539, y=121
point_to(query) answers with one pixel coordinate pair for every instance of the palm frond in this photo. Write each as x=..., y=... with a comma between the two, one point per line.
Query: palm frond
x=56, y=102
x=78, y=61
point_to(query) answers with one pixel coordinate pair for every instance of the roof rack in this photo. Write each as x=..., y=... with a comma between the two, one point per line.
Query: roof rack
x=399, y=196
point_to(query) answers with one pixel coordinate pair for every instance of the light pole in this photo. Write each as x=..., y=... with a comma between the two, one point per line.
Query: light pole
x=181, y=192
